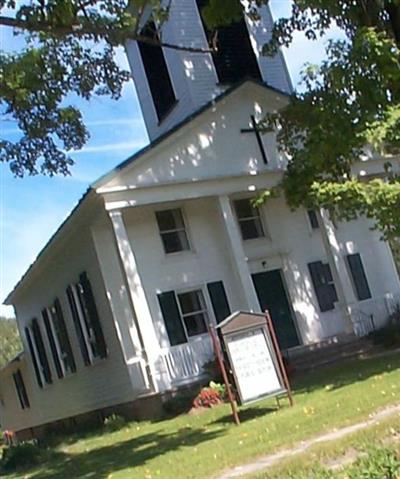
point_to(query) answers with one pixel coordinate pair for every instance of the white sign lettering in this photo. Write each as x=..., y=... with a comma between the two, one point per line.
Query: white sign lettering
x=253, y=364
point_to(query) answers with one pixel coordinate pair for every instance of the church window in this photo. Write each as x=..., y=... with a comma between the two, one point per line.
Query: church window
x=312, y=218
x=185, y=314
x=358, y=276
x=38, y=353
x=249, y=219
x=21, y=390
x=86, y=320
x=157, y=73
x=194, y=312
x=172, y=230
x=234, y=59
x=58, y=339
x=324, y=286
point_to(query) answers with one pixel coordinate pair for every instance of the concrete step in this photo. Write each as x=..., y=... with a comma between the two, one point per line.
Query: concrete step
x=322, y=346
x=315, y=356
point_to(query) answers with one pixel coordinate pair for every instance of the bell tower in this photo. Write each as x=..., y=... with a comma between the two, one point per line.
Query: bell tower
x=173, y=84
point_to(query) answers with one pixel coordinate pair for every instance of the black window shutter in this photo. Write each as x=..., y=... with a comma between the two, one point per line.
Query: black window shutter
x=33, y=356
x=93, y=315
x=312, y=216
x=19, y=393
x=21, y=390
x=52, y=343
x=66, y=345
x=157, y=72
x=219, y=300
x=235, y=58
x=359, y=278
x=78, y=326
x=325, y=290
x=37, y=336
x=172, y=318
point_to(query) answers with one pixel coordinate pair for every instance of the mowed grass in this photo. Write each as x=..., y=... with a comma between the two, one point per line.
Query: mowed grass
x=338, y=455
x=203, y=445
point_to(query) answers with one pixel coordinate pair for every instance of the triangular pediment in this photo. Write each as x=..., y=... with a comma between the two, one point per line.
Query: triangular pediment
x=208, y=146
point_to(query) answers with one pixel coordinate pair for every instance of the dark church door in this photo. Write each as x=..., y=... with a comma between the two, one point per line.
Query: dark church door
x=272, y=296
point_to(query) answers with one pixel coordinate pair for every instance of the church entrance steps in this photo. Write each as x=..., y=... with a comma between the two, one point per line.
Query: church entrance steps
x=331, y=350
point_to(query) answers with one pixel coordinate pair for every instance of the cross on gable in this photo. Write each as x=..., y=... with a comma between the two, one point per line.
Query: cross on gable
x=257, y=130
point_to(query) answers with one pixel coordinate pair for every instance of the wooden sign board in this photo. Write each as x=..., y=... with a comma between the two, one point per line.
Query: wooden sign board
x=252, y=357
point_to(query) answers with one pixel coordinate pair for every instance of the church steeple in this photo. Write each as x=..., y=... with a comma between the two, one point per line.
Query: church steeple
x=173, y=84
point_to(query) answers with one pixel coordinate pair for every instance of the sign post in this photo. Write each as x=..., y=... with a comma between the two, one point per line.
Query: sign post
x=279, y=356
x=221, y=365
x=252, y=352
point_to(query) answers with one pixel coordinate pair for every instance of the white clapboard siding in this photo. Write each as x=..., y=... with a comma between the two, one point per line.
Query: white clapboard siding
x=103, y=383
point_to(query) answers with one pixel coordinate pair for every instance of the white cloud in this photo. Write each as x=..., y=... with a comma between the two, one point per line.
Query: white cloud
x=115, y=147
x=117, y=121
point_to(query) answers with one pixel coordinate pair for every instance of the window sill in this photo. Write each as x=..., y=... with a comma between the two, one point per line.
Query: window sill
x=262, y=239
x=364, y=299
x=96, y=361
x=179, y=255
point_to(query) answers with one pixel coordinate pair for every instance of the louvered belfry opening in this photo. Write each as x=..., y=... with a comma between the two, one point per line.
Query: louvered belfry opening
x=235, y=58
x=157, y=72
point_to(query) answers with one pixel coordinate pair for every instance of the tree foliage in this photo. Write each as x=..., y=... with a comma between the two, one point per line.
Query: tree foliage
x=10, y=343
x=350, y=104
x=69, y=52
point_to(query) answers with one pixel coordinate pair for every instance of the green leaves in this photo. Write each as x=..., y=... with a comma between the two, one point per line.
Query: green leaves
x=69, y=53
x=222, y=12
x=35, y=85
x=351, y=101
x=10, y=343
x=376, y=199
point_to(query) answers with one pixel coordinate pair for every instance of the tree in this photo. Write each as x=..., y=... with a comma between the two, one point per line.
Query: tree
x=10, y=343
x=69, y=50
x=351, y=103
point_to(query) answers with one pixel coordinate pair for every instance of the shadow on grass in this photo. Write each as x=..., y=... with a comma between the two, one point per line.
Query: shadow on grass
x=99, y=463
x=246, y=414
x=343, y=374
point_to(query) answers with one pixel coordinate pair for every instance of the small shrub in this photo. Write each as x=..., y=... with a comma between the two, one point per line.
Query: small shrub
x=220, y=388
x=25, y=454
x=207, y=397
x=380, y=463
x=114, y=422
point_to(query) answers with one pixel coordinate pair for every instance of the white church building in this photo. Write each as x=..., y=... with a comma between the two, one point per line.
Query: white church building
x=113, y=313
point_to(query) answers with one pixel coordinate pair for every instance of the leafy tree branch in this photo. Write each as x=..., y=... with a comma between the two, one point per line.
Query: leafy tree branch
x=350, y=107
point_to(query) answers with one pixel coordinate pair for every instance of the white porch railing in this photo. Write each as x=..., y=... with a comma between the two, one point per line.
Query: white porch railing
x=363, y=323
x=186, y=361
x=372, y=314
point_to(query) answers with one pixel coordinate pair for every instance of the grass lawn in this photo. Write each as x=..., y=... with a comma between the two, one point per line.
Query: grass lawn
x=337, y=455
x=200, y=446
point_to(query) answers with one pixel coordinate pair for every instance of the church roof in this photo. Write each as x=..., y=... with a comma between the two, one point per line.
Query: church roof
x=103, y=179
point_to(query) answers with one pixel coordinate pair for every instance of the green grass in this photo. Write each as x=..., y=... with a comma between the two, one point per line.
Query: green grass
x=321, y=456
x=199, y=446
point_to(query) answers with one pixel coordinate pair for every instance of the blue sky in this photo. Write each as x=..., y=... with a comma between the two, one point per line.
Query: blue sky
x=32, y=208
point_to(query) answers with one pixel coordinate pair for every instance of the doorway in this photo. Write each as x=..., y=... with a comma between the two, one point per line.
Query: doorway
x=271, y=293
